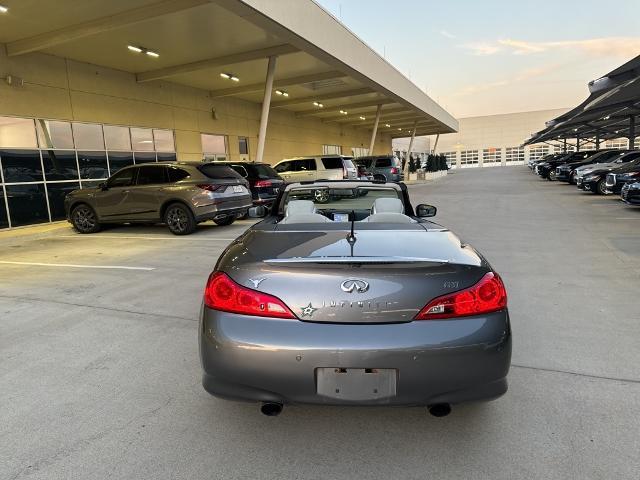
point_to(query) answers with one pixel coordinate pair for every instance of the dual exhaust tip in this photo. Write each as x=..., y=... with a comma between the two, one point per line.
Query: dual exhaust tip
x=273, y=409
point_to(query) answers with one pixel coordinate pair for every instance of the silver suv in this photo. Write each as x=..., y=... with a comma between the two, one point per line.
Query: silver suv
x=177, y=194
x=320, y=167
x=387, y=168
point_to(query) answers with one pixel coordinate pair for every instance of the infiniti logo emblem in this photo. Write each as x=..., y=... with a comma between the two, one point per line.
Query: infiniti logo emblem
x=350, y=285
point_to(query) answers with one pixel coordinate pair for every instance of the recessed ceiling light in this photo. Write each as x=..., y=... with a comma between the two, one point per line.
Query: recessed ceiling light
x=343, y=112
x=282, y=92
x=234, y=78
x=362, y=118
x=225, y=75
x=134, y=48
x=318, y=104
x=3, y=9
x=152, y=54
x=399, y=129
x=387, y=125
x=230, y=76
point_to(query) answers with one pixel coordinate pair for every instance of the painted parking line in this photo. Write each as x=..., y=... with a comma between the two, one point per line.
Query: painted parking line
x=627, y=218
x=123, y=237
x=71, y=265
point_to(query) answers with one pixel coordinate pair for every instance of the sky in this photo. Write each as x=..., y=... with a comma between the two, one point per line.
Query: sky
x=484, y=57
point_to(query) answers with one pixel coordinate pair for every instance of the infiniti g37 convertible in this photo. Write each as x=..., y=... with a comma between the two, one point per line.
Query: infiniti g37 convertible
x=355, y=301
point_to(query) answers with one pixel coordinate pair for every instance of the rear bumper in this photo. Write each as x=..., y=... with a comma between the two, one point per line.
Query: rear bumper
x=235, y=207
x=437, y=361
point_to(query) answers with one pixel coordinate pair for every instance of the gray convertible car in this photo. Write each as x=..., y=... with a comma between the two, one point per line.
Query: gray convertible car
x=357, y=301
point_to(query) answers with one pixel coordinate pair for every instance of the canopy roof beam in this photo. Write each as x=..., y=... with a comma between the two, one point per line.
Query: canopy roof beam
x=323, y=97
x=369, y=103
x=215, y=62
x=282, y=82
x=99, y=25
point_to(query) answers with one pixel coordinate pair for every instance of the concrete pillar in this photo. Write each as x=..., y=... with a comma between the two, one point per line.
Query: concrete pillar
x=503, y=157
x=458, y=159
x=577, y=142
x=375, y=130
x=564, y=145
x=435, y=144
x=632, y=131
x=413, y=137
x=597, y=140
x=266, y=105
x=480, y=158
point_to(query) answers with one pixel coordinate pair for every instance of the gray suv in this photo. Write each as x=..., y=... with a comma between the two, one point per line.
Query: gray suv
x=384, y=167
x=177, y=194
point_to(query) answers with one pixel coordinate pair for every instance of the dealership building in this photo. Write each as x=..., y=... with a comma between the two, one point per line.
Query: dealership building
x=89, y=87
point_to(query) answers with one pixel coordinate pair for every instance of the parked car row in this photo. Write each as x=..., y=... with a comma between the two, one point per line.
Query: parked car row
x=602, y=172
x=181, y=195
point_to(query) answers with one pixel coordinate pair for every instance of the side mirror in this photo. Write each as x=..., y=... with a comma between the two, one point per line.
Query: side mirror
x=257, y=212
x=103, y=186
x=424, y=211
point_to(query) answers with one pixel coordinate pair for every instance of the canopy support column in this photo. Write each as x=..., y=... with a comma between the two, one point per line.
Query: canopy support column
x=375, y=130
x=632, y=131
x=577, y=142
x=266, y=105
x=406, y=163
x=597, y=140
x=435, y=144
x=564, y=145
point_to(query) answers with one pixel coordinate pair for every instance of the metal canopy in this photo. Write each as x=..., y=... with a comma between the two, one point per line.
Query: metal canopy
x=319, y=59
x=609, y=112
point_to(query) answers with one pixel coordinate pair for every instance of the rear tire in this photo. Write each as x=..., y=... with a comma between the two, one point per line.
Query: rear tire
x=179, y=219
x=224, y=221
x=84, y=219
x=600, y=188
x=552, y=176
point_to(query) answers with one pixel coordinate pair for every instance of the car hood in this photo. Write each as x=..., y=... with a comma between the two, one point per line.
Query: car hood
x=402, y=269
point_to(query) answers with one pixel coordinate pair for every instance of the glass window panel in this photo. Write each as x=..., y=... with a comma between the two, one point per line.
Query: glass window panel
x=119, y=160
x=56, y=193
x=4, y=220
x=117, y=138
x=142, y=139
x=60, y=165
x=21, y=165
x=54, y=134
x=27, y=204
x=144, y=157
x=123, y=178
x=152, y=174
x=167, y=157
x=243, y=145
x=93, y=165
x=88, y=136
x=213, y=143
x=17, y=133
x=164, y=140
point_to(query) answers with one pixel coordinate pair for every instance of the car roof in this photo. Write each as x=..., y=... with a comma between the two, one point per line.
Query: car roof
x=347, y=184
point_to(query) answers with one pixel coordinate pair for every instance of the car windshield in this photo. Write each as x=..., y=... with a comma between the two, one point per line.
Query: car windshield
x=341, y=198
x=212, y=170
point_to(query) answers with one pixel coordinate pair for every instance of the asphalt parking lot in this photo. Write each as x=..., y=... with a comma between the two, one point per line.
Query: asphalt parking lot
x=100, y=377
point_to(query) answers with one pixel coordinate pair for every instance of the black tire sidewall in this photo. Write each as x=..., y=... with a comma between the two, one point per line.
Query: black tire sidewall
x=225, y=221
x=599, y=187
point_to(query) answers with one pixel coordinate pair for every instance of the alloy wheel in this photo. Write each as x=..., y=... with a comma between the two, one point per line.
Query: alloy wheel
x=177, y=219
x=321, y=196
x=84, y=218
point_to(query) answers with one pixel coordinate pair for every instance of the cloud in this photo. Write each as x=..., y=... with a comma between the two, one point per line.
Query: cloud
x=482, y=49
x=521, y=76
x=444, y=33
x=622, y=47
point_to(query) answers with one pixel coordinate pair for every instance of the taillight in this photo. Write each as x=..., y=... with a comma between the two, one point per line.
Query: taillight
x=488, y=295
x=222, y=293
x=394, y=170
x=263, y=183
x=211, y=188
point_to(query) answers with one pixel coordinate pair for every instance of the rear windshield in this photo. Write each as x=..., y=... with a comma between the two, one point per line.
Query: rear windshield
x=264, y=171
x=212, y=170
x=384, y=162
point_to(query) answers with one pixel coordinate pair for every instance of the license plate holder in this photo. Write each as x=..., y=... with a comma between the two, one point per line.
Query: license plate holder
x=238, y=189
x=356, y=384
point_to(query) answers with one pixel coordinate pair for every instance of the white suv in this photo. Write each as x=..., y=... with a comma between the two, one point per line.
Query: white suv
x=321, y=167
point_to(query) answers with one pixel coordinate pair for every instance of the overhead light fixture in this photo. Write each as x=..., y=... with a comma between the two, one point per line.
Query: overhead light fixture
x=387, y=125
x=607, y=117
x=343, y=112
x=399, y=129
x=234, y=78
x=282, y=92
x=3, y=9
x=230, y=76
x=362, y=118
x=318, y=104
x=137, y=49
x=575, y=129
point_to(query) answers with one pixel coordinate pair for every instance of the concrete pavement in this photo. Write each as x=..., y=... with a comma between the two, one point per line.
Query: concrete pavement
x=99, y=370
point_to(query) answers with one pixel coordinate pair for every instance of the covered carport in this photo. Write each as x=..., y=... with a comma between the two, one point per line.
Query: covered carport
x=609, y=112
x=289, y=56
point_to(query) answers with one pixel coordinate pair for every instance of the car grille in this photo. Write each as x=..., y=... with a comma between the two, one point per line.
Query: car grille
x=611, y=179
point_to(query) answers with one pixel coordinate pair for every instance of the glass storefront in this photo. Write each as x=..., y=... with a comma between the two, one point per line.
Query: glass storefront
x=41, y=161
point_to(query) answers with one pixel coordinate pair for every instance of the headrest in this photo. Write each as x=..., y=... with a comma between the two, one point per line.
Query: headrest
x=387, y=205
x=300, y=207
